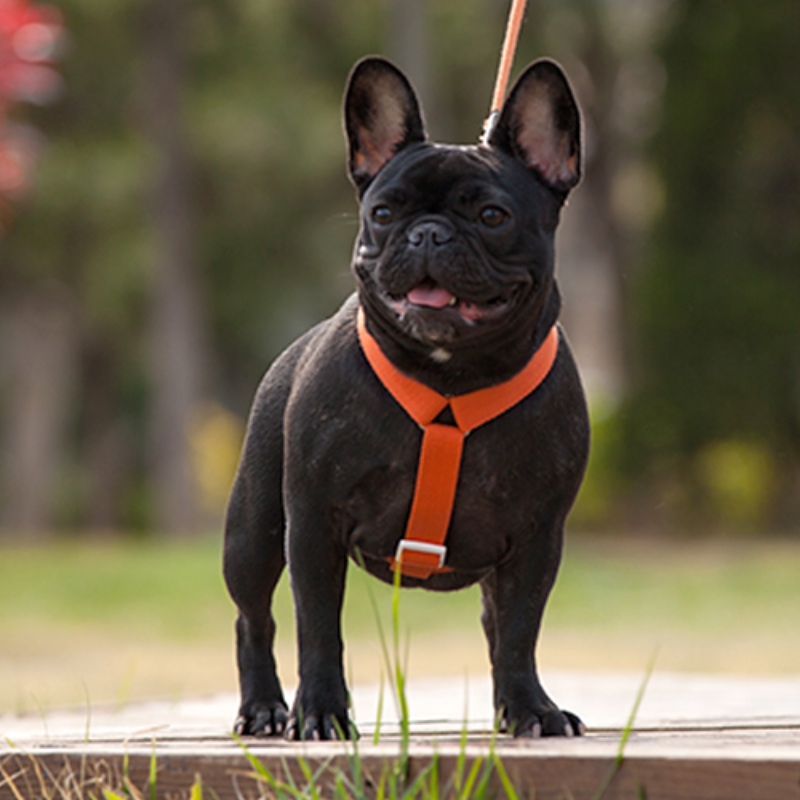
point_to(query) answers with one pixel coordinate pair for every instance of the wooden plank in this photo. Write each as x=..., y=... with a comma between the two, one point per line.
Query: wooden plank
x=719, y=764
x=698, y=737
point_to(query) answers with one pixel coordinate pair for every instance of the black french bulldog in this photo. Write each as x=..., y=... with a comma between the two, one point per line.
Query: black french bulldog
x=454, y=266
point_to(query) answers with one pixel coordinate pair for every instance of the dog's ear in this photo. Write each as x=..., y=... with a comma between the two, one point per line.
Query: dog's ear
x=540, y=125
x=381, y=115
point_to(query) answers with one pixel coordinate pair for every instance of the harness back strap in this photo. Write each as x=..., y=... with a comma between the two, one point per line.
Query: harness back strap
x=422, y=552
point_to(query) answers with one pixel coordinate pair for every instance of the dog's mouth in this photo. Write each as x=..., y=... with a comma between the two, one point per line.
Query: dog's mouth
x=428, y=295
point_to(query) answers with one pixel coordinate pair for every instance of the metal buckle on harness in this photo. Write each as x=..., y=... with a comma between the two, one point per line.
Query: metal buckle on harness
x=420, y=547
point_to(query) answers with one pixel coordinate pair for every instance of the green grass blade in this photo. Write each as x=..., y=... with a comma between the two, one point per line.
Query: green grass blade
x=482, y=789
x=400, y=682
x=340, y=789
x=395, y=668
x=377, y=616
x=466, y=791
x=196, y=792
x=258, y=768
x=87, y=729
x=281, y=789
x=357, y=770
x=126, y=774
x=380, y=792
x=399, y=663
x=508, y=787
x=41, y=714
x=418, y=785
x=289, y=786
x=376, y=736
x=152, y=778
x=311, y=779
x=433, y=786
x=627, y=730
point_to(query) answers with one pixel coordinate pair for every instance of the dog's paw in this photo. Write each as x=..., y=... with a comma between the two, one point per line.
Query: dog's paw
x=267, y=720
x=549, y=722
x=319, y=727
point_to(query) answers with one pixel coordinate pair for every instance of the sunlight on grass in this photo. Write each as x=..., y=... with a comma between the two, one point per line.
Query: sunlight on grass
x=126, y=620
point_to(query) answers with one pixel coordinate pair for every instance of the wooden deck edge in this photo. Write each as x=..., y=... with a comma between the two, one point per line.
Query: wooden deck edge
x=230, y=776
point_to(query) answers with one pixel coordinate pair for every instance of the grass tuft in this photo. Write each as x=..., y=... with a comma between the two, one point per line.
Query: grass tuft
x=25, y=777
x=627, y=730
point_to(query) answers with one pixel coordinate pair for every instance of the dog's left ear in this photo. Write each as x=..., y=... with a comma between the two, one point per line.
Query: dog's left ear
x=381, y=115
x=540, y=125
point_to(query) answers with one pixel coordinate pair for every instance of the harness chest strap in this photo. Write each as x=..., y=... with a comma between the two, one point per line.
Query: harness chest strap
x=422, y=552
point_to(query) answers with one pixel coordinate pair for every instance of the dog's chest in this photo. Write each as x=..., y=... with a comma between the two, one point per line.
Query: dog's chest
x=353, y=454
x=490, y=511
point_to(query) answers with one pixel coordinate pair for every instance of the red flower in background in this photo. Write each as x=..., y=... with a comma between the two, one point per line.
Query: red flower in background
x=29, y=36
x=28, y=39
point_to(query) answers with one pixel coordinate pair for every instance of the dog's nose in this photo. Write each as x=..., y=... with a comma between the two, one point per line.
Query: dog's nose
x=430, y=233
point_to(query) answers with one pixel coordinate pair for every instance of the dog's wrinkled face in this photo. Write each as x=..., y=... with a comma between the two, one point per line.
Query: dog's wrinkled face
x=457, y=242
x=447, y=248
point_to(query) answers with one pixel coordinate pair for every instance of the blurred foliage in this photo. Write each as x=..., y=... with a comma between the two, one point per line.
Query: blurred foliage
x=216, y=440
x=137, y=620
x=714, y=415
x=604, y=487
x=710, y=428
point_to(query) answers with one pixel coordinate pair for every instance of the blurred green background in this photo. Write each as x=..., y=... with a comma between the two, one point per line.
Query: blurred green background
x=105, y=623
x=188, y=215
x=185, y=214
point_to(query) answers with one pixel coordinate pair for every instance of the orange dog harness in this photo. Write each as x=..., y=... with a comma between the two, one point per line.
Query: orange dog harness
x=422, y=551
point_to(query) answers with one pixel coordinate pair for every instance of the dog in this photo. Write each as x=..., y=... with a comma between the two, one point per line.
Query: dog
x=456, y=298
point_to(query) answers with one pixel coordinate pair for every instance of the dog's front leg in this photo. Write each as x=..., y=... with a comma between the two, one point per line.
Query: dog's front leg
x=318, y=565
x=514, y=597
x=254, y=561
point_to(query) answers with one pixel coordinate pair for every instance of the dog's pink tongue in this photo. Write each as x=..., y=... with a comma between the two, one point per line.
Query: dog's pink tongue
x=431, y=295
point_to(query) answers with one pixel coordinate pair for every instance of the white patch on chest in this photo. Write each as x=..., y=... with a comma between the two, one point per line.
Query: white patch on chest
x=440, y=355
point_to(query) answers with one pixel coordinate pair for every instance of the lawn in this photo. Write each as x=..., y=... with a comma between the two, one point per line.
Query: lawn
x=107, y=623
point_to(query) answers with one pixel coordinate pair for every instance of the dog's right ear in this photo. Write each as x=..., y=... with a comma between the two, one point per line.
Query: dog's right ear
x=540, y=125
x=381, y=115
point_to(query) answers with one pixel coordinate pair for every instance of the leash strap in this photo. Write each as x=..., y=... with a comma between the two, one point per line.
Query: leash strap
x=513, y=26
x=422, y=551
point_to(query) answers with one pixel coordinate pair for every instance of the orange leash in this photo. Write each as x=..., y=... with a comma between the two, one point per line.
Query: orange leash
x=513, y=27
x=422, y=551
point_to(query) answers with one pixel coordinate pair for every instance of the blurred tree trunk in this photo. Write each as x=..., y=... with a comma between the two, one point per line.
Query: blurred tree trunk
x=593, y=245
x=177, y=355
x=618, y=83
x=107, y=451
x=407, y=42
x=39, y=355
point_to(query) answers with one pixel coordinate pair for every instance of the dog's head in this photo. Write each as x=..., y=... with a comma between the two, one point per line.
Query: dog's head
x=456, y=242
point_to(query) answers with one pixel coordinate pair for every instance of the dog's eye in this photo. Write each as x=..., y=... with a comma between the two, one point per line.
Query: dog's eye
x=382, y=215
x=493, y=217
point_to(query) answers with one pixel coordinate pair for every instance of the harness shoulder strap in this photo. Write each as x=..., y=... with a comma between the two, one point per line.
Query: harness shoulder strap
x=422, y=551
